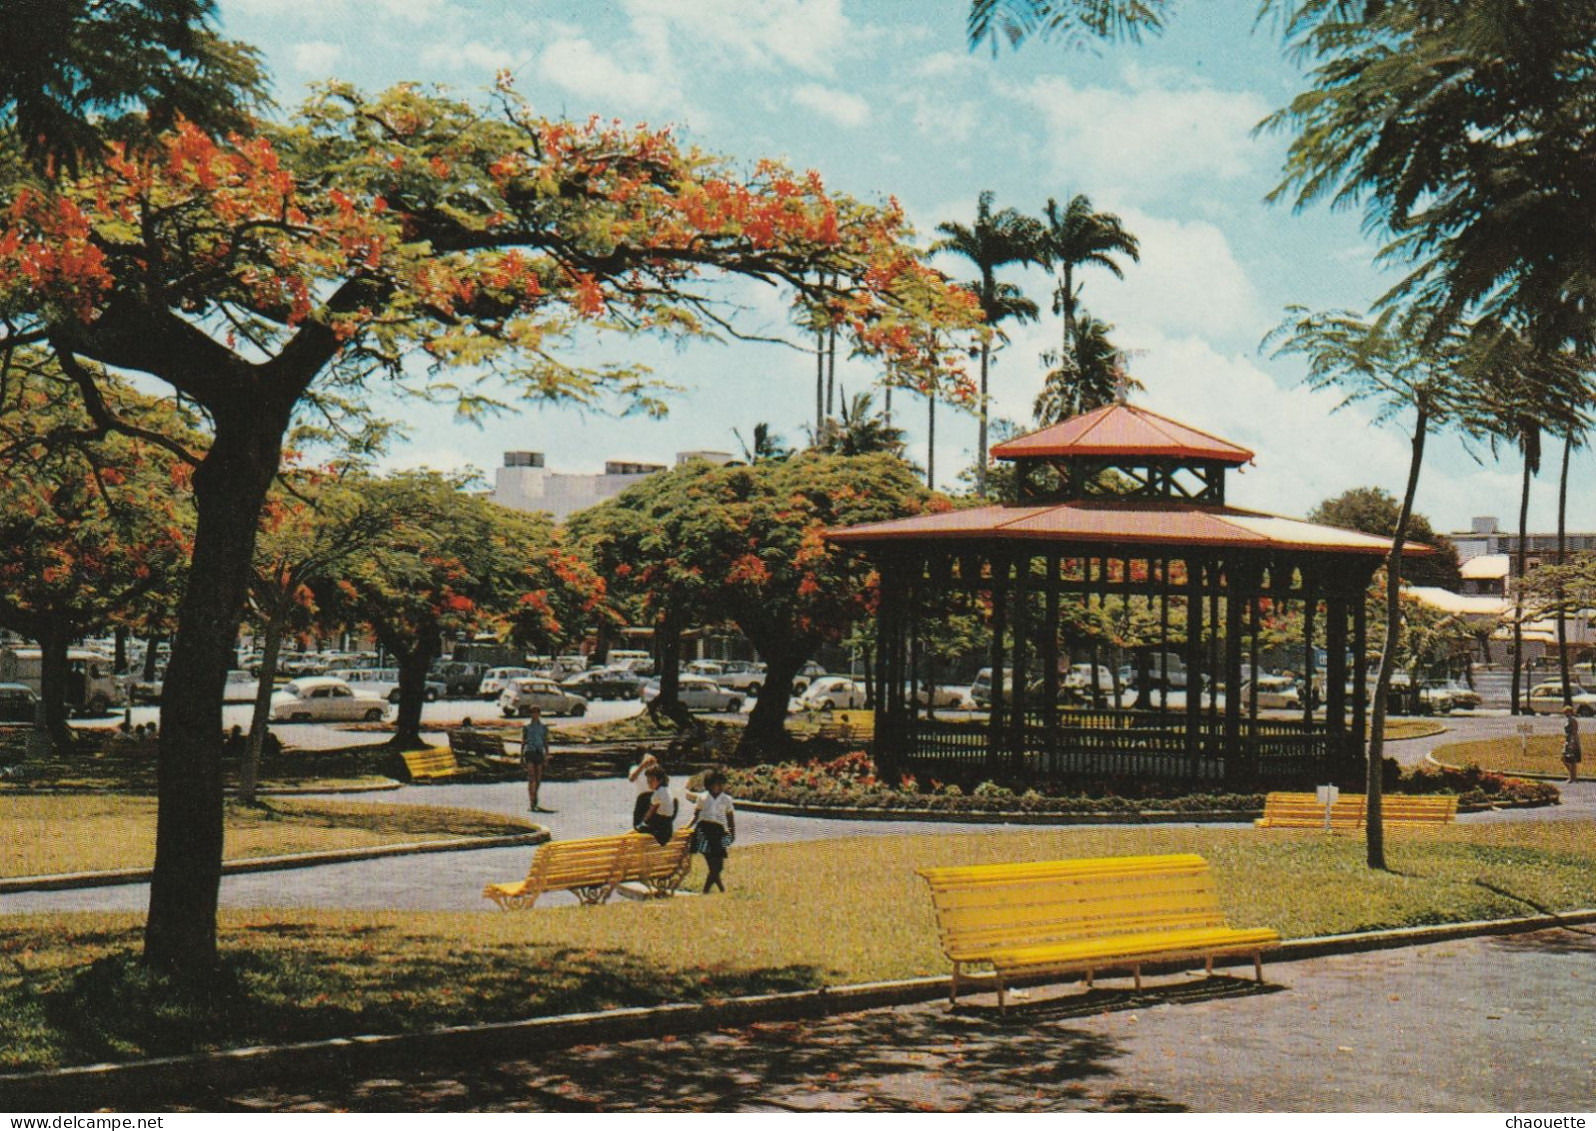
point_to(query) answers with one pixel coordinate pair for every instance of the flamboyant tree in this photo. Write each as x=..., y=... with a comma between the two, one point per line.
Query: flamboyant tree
x=396, y=238
x=447, y=562
x=746, y=543
x=94, y=528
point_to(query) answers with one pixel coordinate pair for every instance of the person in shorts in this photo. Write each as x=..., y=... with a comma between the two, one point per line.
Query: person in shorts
x=534, y=753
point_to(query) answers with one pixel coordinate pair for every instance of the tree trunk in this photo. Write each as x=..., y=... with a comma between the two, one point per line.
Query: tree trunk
x=54, y=640
x=119, y=650
x=1519, y=565
x=415, y=656
x=766, y=732
x=151, y=658
x=931, y=443
x=229, y=491
x=260, y=720
x=670, y=665
x=1374, y=824
x=980, y=454
x=1562, y=559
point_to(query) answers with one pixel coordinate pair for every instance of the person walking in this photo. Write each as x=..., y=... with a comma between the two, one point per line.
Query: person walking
x=638, y=776
x=715, y=825
x=1571, y=753
x=534, y=752
x=660, y=820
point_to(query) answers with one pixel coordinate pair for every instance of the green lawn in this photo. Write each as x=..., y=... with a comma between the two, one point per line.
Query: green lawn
x=797, y=915
x=89, y=832
x=1507, y=755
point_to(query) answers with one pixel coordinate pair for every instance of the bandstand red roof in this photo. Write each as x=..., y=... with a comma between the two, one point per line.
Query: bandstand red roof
x=1123, y=430
x=1099, y=521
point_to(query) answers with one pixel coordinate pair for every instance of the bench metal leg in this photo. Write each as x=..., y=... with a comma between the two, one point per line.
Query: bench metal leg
x=1136, y=971
x=1089, y=973
x=1002, y=1003
x=953, y=993
x=1208, y=966
x=1257, y=965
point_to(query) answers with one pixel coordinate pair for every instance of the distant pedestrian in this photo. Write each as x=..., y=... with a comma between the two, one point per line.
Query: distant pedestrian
x=1571, y=753
x=660, y=820
x=534, y=752
x=235, y=745
x=638, y=776
x=714, y=825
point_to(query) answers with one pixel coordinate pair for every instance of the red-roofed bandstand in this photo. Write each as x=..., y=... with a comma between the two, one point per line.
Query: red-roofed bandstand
x=1118, y=518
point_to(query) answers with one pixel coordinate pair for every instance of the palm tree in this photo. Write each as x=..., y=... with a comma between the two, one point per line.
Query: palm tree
x=1089, y=382
x=998, y=239
x=861, y=430
x=766, y=445
x=1386, y=362
x=1075, y=236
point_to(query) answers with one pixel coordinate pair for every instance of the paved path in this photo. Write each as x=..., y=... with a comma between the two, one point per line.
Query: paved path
x=1476, y=1025
x=454, y=881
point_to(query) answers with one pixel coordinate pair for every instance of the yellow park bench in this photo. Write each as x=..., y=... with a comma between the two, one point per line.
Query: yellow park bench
x=1081, y=916
x=1304, y=810
x=849, y=726
x=592, y=868
x=432, y=764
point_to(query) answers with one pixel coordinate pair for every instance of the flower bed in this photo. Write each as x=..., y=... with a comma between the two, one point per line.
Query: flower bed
x=1480, y=789
x=851, y=782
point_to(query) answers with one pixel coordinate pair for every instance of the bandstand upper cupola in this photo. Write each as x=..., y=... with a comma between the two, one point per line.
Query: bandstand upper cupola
x=1120, y=452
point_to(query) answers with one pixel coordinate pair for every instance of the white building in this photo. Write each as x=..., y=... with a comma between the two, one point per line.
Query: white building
x=525, y=484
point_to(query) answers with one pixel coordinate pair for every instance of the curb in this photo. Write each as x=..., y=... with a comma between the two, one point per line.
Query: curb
x=69, y=880
x=1529, y=775
x=125, y=1083
x=1150, y=817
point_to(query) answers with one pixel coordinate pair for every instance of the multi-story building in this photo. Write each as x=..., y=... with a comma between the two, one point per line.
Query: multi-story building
x=1484, y=536
x=525, y=483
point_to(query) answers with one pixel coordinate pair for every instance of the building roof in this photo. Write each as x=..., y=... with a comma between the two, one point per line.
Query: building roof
x=1097, y=521
x=1123, y=430
x=1469, y=606
x=1485, y=567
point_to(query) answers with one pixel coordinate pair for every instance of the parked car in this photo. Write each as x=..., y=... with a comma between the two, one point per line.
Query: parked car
x=92, y=688
x=460, y=678
x=18, y=703
x=1079, y=679
x=942, y=695
x=698, y=694
x=981, y=689
x=1547, y=699
x=384, y=683
x=746, y=676
x=324, y=699
x=523, y=694
x=1275, y=693
x=605, y=683
x=497, y=679
x=1464, y=697
x=833, y=692
x=807, y=674
x=240, y=687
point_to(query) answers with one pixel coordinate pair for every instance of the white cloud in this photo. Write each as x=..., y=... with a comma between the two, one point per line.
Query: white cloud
x=473, y=56
x=1147, y=138
x=412, y=12
x=317, y=57
x=839, y=106
x=571, y=62
x=1188, y=281
x=809, y=35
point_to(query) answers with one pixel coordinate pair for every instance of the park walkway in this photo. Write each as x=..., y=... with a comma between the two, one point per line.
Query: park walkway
x=454, y=881
x=1472, y=1025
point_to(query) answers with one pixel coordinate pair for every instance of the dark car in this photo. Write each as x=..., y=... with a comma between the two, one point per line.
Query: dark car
x=17, y=703
x=461, y=678
x=605, y=683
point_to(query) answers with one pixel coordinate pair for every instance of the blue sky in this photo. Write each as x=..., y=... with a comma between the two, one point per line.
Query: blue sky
x=882, y=97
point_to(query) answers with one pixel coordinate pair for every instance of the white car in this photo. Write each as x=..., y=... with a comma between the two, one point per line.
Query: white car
x=1275, y=693
x=1547, y=699
x=240, y=687
x=497, y=679
x=523, y=694
x=832, y=692
x=1079, y=678
x=317, y=699
x=697, y=693
x=942, y=695
x=384, y=683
